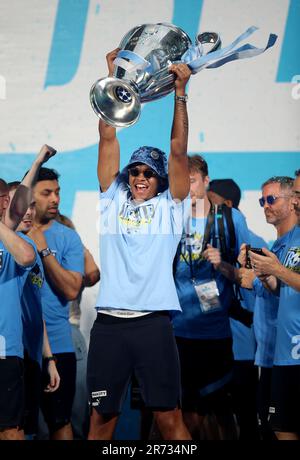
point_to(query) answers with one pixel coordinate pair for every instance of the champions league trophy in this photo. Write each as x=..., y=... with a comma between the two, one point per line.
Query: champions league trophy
x=141, y=72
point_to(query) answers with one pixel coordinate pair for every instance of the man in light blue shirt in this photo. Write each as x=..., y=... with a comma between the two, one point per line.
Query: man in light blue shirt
x=17, y=257
x=35, y=338
x=141, y=219
x=281, y=214
x=202, y=330
x=61, y=251
x=245, y=373
x=282, y=276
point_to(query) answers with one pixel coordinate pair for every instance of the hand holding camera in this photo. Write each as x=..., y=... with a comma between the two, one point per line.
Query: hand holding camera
x=258, y=251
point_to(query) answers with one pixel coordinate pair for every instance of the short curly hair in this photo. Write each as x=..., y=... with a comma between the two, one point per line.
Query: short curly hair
x=285, y=182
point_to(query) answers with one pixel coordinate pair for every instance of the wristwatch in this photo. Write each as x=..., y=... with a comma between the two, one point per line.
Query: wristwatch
x=181, y=98
x=45, y=252
x=50, y=358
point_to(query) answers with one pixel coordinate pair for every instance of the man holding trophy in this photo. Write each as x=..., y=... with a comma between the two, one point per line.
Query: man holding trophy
x=142, y=216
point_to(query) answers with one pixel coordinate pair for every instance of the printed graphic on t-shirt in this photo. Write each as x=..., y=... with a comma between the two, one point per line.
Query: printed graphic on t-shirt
x=292, y=259
x=36, y=276
x=136, y=217
x=191, y=247
x=1, y=258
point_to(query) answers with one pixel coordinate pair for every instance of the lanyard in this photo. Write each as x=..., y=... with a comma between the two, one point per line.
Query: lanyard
x=209, y=230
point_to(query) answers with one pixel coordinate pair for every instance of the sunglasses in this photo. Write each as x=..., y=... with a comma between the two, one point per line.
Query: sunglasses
x=148, y=173
x=270, y=199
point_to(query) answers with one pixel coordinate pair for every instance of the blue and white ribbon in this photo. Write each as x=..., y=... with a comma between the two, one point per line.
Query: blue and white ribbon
x=194, y=57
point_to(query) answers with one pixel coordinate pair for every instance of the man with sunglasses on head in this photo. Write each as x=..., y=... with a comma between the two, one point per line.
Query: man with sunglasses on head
x=141, y=224
x=279, y=270
x=17, y=259
x=35, y=338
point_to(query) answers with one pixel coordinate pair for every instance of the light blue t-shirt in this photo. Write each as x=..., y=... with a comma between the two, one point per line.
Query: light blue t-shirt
x=66, y=246
x=287, y=350
x=32, y=313
x=138, y=243
x=12, y=280
x=266, y=311
x=194, y=323
x=243, y=337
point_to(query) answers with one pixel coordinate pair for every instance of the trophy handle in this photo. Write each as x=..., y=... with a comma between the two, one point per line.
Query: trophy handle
x=210, y=41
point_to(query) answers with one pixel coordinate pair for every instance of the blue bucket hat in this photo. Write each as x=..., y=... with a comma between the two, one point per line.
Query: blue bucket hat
x=153, y=157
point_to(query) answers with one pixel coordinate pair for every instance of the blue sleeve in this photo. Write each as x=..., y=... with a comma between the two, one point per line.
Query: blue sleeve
x=181, y=211
x=258, y=287
x=110, y=192
x=107, y=197
x=32, y=243
x=73, y=258
x=261, y=291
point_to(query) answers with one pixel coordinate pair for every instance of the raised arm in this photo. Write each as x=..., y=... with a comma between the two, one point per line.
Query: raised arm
x=91, y=270
x=52, y=370
x=65, y=282
x=109, y=149
x=21, y=251
x=178, y=162
x=23, y=196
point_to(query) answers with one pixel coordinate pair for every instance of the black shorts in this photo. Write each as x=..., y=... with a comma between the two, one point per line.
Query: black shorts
x=33, y=385
x=264, y=393
x=144, y=346
x=11, y=392
x=57, y=406
x=285, y=399
x=206, y=371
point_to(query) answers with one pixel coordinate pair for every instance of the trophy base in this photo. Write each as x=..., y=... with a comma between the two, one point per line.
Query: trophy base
x=115, y=101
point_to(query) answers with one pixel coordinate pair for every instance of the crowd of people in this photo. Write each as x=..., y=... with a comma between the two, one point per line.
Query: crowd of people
x=189, y=312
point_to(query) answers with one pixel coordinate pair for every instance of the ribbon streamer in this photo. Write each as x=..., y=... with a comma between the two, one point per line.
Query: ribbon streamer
x=218, y=58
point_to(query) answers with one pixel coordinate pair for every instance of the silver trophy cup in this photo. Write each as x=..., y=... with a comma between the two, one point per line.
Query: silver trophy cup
x=141, y=72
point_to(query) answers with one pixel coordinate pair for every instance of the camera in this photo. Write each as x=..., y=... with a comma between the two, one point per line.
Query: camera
x=258, y=251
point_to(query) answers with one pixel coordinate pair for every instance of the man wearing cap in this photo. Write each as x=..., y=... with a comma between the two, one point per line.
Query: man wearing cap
x=245, y=373
x=141, y=220
x=224, y=191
